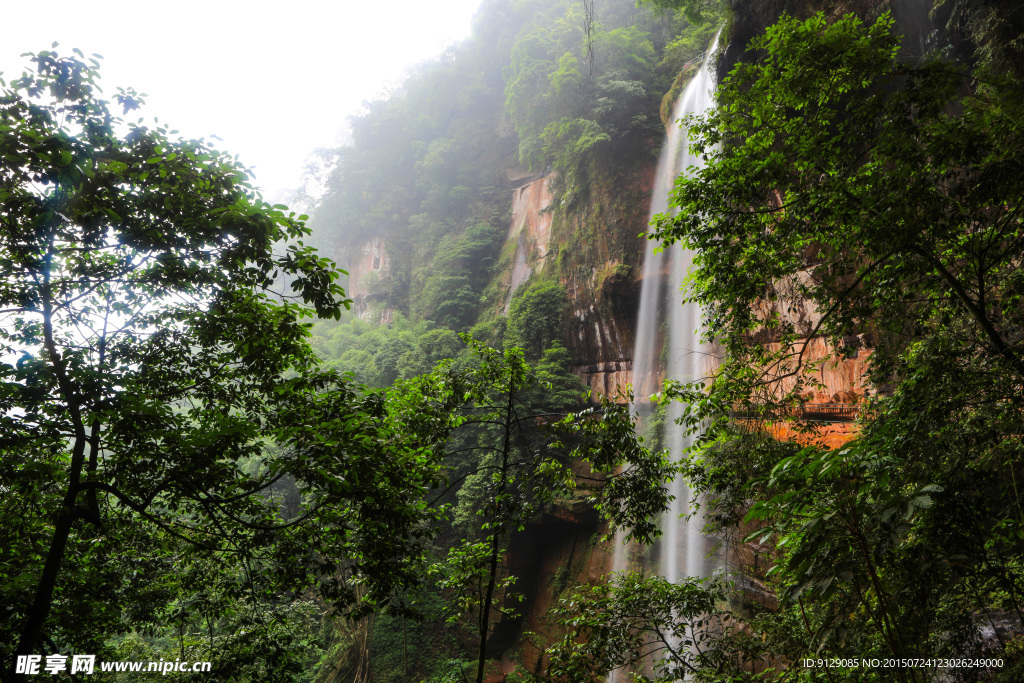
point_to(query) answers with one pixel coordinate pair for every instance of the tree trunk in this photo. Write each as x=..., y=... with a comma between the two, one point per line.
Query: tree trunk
x=485, y=610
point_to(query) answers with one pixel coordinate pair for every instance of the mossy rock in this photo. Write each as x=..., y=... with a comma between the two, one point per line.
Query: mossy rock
x=682, y=79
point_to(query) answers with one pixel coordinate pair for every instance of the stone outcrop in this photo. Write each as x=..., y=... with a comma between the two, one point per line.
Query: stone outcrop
x=530, y=228
x=558, y=550
x=838, y=379
x=367, y=267
x=609, y=378
x=600, y=273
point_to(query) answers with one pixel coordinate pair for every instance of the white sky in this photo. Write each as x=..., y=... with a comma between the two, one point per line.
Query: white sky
x=273, y=80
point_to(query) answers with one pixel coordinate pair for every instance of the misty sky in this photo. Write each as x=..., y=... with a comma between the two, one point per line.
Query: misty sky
x=272, y=80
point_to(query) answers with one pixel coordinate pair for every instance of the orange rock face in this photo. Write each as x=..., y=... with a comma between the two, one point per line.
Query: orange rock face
x=611, y=378
x=531, y=230
x=368, y=264
x=371, y=258
x=528, y=214
x=830, y=436
x=840, y=380
x=833, y=380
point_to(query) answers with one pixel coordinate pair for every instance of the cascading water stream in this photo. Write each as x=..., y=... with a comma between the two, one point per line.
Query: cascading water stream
x=683, y=548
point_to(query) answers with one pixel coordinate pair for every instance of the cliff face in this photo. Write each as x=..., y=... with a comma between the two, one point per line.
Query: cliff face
x=367, y=266
x=552, y=555
x=530, y=232
x=595, y=252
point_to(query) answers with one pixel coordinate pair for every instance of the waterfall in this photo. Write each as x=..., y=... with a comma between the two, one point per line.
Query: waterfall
x=676, y=352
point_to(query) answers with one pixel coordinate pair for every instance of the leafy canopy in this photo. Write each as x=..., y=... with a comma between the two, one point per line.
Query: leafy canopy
x=848, y=193
x=157, y=391
x=869, y=201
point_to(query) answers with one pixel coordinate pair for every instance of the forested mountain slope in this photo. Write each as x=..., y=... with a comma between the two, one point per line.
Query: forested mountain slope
x=522, y=155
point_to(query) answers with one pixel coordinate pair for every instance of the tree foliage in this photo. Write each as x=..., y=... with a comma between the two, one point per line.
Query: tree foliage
x=855, y=197
x=459, y=271
x=634, y=622
x=158, y=393
x=693, y=9
x=524, y=458
x=581, y=97
x=536, y=316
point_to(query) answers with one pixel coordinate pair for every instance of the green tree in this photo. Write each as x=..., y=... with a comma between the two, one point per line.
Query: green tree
x=557, y=388
x=693, y=9
x=632, y=621
x=855, y=197
x=583, y=95
x=156, y=383
x=536, y=316
x=527, y=457
x=847, y=165
x=458, y=272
